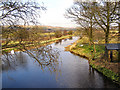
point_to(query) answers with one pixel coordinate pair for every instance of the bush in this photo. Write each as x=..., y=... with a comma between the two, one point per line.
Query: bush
x=70, y=32
x=58, y=34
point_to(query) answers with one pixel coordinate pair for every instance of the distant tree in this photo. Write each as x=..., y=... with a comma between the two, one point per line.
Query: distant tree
x=79, y=32
x=82, y=14
x=7, y=35
x=21, y=35
x=16, y=12
x=35, y=34
x=58, y=34
x=70, y=32
x=64, y=32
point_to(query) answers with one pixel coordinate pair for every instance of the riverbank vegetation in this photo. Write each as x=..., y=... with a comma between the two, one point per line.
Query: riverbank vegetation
x=21, y=28
x=97, y=60
x=22, y=31
x=98, y=26
x=34, y=37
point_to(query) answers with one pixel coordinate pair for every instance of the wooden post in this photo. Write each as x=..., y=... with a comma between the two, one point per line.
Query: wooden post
x=119, y=40
x=111, y=56
x=106, y=53
x=92, y=55
x=118, y=55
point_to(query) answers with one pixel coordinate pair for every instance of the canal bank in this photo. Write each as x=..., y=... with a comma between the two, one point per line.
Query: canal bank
x=108, y=69
x=19, y=47
x=70, y=71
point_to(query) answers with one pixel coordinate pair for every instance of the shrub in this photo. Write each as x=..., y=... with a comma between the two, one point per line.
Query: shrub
x=58, y=34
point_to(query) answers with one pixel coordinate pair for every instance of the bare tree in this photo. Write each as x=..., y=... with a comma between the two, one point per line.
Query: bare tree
x=88, y=14
x=13, y=14
x=82, y=14
x=16, y=11
x=117, y=21
x=104, y=16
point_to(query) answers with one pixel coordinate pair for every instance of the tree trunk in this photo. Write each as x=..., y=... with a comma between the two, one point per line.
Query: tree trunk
x=107, y=31
x=118, y=31
x=106, y=38
x=91, y=37
x=106, y=42
x=119, y=40
x=20, y=42
x=91, y=31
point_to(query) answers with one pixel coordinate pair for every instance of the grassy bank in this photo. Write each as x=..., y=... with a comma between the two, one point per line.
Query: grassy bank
x=15, y=46
x=106, y=72
x=107, y=68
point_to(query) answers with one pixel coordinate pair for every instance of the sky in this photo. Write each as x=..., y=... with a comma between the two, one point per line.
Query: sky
x=54, y=16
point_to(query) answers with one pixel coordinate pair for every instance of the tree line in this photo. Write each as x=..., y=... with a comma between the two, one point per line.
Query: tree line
x=93, y=15
x=15, y=15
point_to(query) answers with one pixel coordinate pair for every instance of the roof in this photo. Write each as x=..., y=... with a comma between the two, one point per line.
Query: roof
x=113, y=46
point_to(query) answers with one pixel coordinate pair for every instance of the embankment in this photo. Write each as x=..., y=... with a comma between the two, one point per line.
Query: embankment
x=108, y=69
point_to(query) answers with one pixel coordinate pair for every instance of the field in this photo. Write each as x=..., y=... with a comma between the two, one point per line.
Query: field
x=30, y=37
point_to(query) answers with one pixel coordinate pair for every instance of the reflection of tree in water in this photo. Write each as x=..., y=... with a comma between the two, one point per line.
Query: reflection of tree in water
x=45, y=57
x=10, y=61
x=59, y=41
x=70, y=38
x=65, y=39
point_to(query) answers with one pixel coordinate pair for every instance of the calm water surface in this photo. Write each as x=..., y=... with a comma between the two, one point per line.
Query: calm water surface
x=72, y=72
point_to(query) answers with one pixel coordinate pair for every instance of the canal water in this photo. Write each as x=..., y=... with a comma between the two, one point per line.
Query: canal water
x=71, y=71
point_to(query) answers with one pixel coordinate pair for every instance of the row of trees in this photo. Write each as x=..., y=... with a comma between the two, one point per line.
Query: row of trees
x=29, y=35
x=13, y=14
x=63, y=33
x=91, y=15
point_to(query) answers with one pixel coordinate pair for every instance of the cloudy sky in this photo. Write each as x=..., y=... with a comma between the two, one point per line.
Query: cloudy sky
x=54, y=16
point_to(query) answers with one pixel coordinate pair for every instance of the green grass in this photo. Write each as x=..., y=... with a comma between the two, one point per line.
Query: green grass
x=56, y=39
x=47, y=34
x=15, y=42
x=27, y=45
x=108, y=73
x=87, y=49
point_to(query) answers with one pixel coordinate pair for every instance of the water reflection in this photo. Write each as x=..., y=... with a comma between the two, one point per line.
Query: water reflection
x=65, y=39
x=58, y=42
x=44, y=57
x=91, y=70
x=70, y=38
x=10, y=61
x=92, y=76
x=59, y=69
